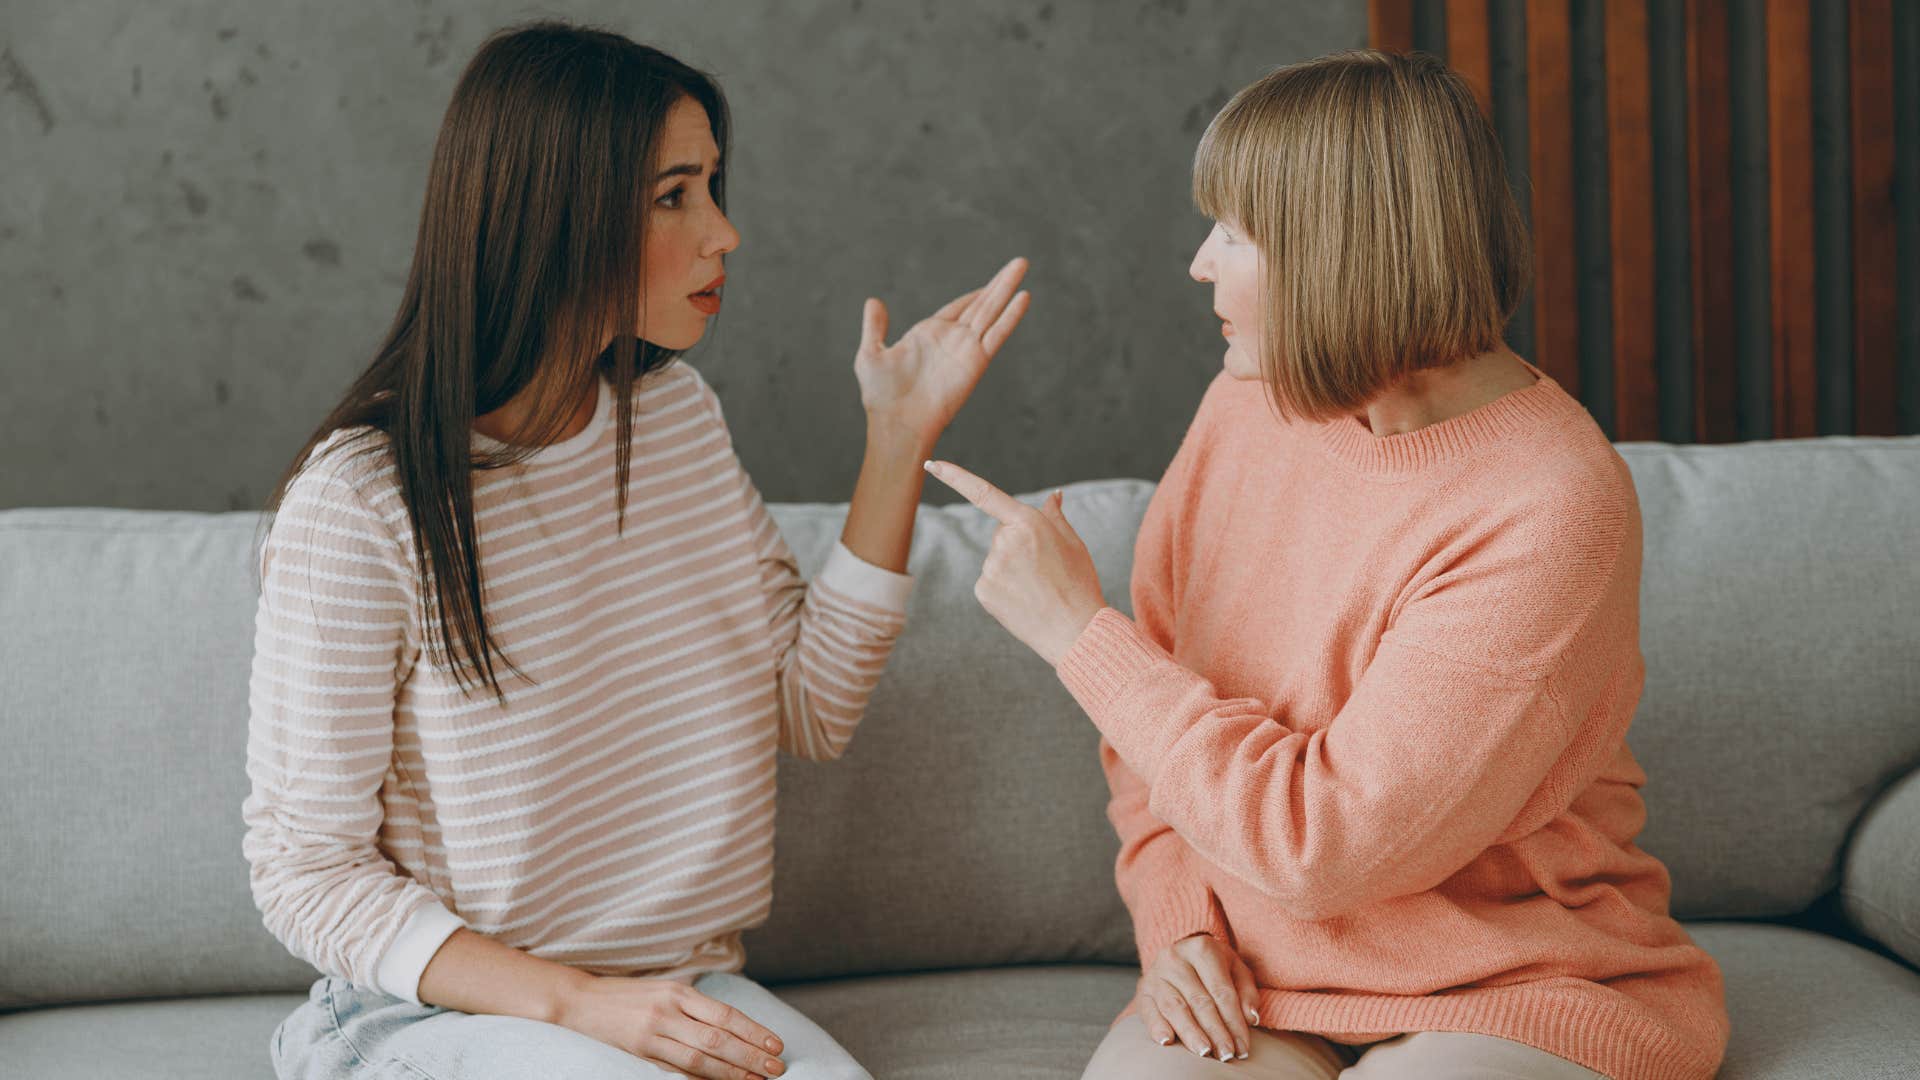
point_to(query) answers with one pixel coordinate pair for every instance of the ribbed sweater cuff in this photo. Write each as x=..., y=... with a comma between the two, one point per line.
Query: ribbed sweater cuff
x=405, y=960
x=1176, y=913
x=1104, y=659
x=865, y=582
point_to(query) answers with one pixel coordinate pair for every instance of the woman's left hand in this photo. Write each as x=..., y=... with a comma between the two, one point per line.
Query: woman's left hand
x=917, y=384
x=1038, y=580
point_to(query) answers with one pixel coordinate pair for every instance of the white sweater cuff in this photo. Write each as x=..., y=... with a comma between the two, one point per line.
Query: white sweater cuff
x=426, y=930
x=856, y=577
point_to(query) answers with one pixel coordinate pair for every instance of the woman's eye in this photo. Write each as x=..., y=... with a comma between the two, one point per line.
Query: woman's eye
x=671, y=200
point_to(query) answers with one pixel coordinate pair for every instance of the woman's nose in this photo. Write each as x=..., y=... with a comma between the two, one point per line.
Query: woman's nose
x=724, y=238
x=1201, y=269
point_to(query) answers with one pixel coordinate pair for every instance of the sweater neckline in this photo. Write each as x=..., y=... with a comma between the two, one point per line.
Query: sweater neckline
x=1349, y=439
x=570, y=447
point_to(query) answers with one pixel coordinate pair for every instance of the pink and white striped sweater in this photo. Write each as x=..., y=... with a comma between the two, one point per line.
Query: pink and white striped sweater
x=617, y=814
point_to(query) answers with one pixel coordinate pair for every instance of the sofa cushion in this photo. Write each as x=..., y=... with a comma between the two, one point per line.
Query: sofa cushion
x=1777, y=619
x=1804, y=1006
x=966, y=825
x=127, y=638
x=1808, y=1005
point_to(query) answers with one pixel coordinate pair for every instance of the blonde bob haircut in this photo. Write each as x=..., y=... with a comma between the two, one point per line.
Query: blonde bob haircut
x=1376, y=195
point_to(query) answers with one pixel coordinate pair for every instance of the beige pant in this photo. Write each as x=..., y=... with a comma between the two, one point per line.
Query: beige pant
x=1128, y=1053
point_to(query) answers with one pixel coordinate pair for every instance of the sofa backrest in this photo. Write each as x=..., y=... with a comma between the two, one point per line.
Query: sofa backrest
x=965, y=827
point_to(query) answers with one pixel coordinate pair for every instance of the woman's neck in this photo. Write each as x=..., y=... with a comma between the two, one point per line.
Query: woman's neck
x=507, y=420
x=1430, y=396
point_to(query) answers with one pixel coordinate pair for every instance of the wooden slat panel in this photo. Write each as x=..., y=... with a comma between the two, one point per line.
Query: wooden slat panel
x=1876, y=270
x=1470, y=48
x=1556, y=300
x=1390, y=25
x=1636, y=381
x=1790, y=216
x=1716, y=381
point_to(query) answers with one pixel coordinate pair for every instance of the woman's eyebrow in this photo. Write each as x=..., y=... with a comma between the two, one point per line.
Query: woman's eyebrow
x=684, y=169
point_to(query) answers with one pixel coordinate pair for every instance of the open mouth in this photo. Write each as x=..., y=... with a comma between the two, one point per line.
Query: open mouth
x=707, y=300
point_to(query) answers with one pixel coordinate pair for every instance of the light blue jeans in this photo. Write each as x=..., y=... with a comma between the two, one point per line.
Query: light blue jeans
x=343, y=1032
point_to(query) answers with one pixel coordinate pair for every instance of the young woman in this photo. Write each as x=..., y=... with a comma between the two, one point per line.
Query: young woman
x=1365, y=729
x=528, y=638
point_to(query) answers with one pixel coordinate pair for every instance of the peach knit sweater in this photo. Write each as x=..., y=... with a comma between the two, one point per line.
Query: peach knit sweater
x=1368, y=727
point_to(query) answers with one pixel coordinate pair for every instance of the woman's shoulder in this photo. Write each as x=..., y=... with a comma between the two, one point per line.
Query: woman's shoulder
x=348, y=480
x=1572, y=466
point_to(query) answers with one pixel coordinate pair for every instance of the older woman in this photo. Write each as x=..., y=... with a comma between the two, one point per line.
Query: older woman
x=1365, y=730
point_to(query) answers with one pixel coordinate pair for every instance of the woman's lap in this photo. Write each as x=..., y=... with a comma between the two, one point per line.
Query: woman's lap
x=343, y=1032
x=1128, y=1053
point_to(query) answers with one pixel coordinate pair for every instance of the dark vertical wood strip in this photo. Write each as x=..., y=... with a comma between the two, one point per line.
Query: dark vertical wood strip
x=1673, y=309
x=1716, y=374
x=1906, y=171
x=1390, y=25
x=1508, y=19
x=1791, y=218
x=1470, y=48
x=1636, y=386
x=1556, y=301
x=1876, y=269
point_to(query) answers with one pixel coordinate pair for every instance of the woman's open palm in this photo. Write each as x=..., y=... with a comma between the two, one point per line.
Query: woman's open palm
x=921, y=380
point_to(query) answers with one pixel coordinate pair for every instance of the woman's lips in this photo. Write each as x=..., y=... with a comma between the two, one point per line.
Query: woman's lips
x=707, y=300
x=1226, y=329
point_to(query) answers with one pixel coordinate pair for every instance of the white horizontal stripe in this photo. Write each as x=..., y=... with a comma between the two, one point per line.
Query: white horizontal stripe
x=730, y=919
x=629, y=599
x=270, y=631
x=443, y=731
x=454, y=778
x=746, y=829
x=596, y=644
x=567, y=776
x=629, y=553
x=315, y=712
x=569, y=833
x=521, y=813
x=656, y=873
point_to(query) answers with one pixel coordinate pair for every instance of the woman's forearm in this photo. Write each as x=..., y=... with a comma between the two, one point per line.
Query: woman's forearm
x=476, y=974
x=879, y=525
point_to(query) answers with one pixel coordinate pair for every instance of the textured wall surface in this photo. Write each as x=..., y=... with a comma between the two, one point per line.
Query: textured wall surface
x=207, y=209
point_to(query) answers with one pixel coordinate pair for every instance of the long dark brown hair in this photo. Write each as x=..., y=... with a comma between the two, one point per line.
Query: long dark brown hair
x=528, y=256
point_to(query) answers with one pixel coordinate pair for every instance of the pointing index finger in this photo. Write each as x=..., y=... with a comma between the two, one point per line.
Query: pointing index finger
x=999, y=505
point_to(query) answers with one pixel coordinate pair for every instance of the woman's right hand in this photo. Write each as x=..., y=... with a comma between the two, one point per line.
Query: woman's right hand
x=671, y=1024
x=1199, y=991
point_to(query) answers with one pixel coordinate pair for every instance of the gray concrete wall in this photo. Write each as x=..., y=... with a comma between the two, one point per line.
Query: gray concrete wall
x=207, y=209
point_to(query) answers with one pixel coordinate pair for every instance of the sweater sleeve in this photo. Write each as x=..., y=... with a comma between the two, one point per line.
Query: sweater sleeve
x=330, y=648
x=1165, y=893
x=1166, y=897
x=1454, y=724
x=831, y=637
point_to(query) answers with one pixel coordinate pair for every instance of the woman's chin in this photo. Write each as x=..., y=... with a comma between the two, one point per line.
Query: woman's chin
x=1239, y=367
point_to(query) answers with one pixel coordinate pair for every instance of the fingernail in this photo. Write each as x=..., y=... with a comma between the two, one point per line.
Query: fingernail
x=1164, y=1041
x=1243, y=1055
x=773, y=1045
x=1226, y=1054
x=1253, y=1017
x=928, y=465
x=1204, y=1051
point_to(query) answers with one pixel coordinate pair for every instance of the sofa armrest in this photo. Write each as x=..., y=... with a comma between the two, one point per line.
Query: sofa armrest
x=1880, y=879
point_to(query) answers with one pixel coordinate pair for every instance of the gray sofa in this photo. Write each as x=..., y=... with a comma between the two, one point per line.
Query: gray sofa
x=944, y=899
